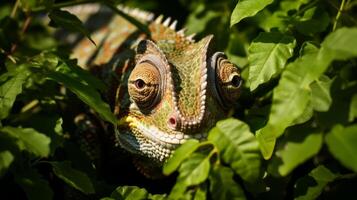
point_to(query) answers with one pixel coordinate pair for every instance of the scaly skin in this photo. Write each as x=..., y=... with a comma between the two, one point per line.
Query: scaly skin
x=171, y=87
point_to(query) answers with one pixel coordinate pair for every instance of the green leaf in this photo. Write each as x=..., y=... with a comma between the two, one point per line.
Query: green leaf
x=180, y=154
x=193, y=171
x=35, y=187
x=340, y=45
x=288, y=5
x=86, y=93
x=247, y=8
x=201, y=193
x=71, y=69
x=290, y=98
x=31, y=4
x=222, y=184
x=129, y=193
x=9, y=90
x=6, y=159
x=157, y=196
x=315, y=20
x=69, y=21
x=292, y=94
x=200, y=18
x=310, y=186
x=299, y=145
x=305, y=116
x=75, y=178
x=341, y=142
x=268, y=54
x=30, y=140
x=320, y=90
x=238, y=147
x=353, y=108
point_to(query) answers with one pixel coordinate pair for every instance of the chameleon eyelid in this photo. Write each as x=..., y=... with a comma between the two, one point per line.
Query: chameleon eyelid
x=212, y=68
x=217, y=61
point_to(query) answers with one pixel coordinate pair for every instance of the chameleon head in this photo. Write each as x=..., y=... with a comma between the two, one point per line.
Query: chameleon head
x=178, y=90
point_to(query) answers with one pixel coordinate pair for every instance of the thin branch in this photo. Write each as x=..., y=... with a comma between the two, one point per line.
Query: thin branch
x=63, y=5
x=338, y=14
x=14, y=9
x=131, y=19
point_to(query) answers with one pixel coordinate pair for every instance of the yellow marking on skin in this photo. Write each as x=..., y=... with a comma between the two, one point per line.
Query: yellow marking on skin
x=122, y=121
x=129, y=119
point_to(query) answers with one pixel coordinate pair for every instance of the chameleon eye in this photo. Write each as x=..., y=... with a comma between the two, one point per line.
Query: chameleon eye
x=143, y=85
x=227, y=79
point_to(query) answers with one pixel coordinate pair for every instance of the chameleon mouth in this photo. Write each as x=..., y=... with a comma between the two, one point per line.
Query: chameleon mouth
x=151, y=142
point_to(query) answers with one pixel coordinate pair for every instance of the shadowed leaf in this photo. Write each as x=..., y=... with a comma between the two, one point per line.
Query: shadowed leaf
x=298, y=145
x=75, y=178
x=222, y=184
x=341, y=142
x=30, y=140
x=69, y=21
x=310, y=186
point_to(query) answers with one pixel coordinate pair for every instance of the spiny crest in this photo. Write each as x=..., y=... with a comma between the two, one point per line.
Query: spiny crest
x=166, y=30
x=84, y=11
x=137, y=13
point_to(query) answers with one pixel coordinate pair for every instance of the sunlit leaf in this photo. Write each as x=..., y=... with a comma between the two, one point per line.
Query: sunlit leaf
x=201, y=193
x=30, y=140
x=288, y=5
x=289, y=101
x=310, y=186
x=75, y=178
x=6, y=159
x=247, y=8
x=299, y=144
x=292, y=94
x=238, y=147
x=267, y=56
x=179, y=155
x=157, y=196
x=194, y=170
x=129, y=193
x=222, y=184
x=341, y=142
x=320, y=90
x=340, y=44
x=306, y=114
x=9, y=90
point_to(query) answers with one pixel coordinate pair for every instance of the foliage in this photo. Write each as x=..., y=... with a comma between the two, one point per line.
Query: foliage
x=293, y=133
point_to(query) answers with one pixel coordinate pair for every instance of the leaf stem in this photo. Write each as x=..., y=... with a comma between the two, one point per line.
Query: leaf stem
x=14, y=9
x=338, y=14
x=131, y=19
x=64, y=4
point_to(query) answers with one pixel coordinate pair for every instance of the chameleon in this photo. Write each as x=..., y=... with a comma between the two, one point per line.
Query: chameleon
x=163, y=86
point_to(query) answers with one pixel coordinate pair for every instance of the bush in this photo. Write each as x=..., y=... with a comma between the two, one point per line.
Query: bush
x=293, y=133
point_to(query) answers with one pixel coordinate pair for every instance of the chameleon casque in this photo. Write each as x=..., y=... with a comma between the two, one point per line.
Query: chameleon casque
x=165, y=87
